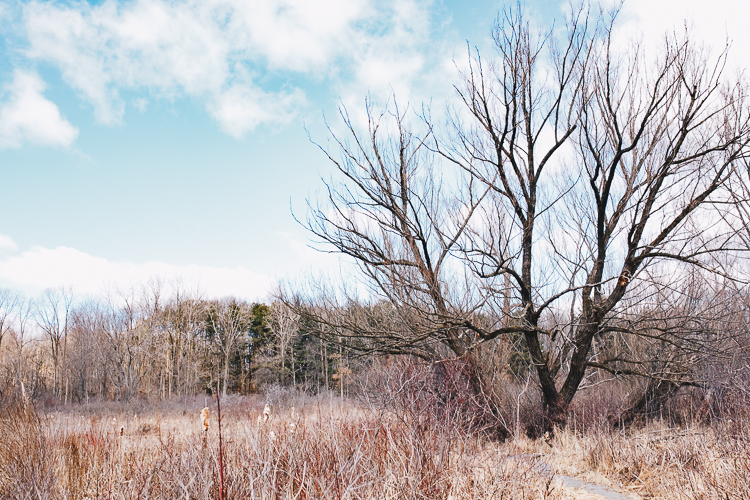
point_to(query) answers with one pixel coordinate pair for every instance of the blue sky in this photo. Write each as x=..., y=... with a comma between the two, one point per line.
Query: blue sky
x=170, y=137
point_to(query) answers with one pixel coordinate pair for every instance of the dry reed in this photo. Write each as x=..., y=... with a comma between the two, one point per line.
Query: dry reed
x=333, y=449
x=337, y=451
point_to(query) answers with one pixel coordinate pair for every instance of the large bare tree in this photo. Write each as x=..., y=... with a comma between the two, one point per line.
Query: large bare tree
x=597, y=178
x=607, y=166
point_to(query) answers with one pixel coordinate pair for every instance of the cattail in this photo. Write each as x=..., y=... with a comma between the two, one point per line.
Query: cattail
x=266, y=413
x=204, y=418
x=122, y=430
x=293, y=424
x=272, y=436
x=260, y=420
x=548, y=439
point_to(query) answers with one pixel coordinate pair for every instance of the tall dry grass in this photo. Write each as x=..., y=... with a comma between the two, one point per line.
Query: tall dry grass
x=656, y=461
x=27, y=462
x=412, y=441
x=330, y=449
x=693, y=463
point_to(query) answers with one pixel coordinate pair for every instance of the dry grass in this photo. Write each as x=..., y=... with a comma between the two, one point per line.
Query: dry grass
x=327, y=450
x=26, y=460
x=658, y=461
x=332, y=449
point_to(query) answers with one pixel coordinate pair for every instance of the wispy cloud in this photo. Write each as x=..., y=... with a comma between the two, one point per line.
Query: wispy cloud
x=7, y=243
x=39, y=268
x=241, y=108
x=710, y=25
x=26, y=116
x=236, y=56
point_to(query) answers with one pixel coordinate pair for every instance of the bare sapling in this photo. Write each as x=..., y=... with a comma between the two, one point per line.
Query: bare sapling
x=221, y=449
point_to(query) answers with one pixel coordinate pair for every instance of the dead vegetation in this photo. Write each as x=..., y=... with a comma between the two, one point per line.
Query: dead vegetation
x=327, y=450
x=692, y=463
x=411, y=435
x=659, y=460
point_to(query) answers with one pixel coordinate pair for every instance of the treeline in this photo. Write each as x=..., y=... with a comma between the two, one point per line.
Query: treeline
x=158, y=342
x=150, y=342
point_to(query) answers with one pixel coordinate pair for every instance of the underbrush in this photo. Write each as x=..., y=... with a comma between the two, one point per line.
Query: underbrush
x=656, y=461
x=693, y=463
x=324, y=449
x=410, y=436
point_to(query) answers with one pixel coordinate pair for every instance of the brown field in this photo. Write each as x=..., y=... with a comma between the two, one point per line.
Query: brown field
x=330, y=448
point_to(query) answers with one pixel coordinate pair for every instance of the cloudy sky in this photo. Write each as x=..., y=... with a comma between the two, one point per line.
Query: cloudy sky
x=170, y=137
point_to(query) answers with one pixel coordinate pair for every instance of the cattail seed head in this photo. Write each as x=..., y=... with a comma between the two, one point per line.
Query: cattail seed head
x=266, y=413
x=204, y=418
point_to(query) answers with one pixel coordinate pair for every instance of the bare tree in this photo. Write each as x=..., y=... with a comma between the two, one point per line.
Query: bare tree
x=127, y=335
x=285, y=326
x=22, y=340
x=228, y=324
x=52, y=314
x=9, y=302
x=394, y=216
x=400, y=214
x=87, y=351
x=603, y=167
x=593, y=176
x=183, y=322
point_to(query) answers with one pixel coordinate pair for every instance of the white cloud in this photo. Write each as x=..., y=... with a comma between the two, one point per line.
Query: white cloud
x=710, y=23
x=28, y=117
x=39, y=268
x=7, y=243
x=408, y=59
x=297, y=35
x=306, y=253
x=140, y=104
x=241, y=108
x=234, y=55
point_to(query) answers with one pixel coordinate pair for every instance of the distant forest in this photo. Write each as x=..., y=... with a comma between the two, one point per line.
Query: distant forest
x=60, y=347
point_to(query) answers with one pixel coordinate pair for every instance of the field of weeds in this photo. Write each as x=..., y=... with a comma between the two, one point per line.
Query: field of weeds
x=668, y=462
x=329, y=448
x=322, y=448
x=654, y=461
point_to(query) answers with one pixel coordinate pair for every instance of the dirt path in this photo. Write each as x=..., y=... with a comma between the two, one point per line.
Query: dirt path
x=592, y=490
x=579, y=488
